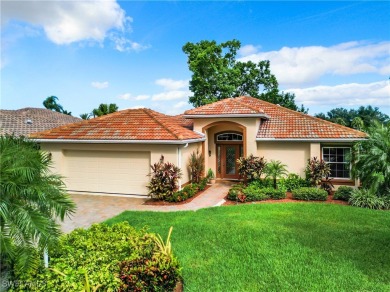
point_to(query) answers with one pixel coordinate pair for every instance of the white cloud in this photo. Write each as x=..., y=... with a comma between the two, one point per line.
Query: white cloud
x=248, y=50
x=66, y=22
x=180, y=104
x=99, y=85
x=343, y=95
x=129, y=96
x=303, y=65
x=170, y=95
x=170, y=84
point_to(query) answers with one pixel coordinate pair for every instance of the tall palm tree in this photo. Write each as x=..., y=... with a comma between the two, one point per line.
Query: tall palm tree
x=372, y=159
x=32, y=199
x=52, y=104
x=275, y=169
x=104, y=109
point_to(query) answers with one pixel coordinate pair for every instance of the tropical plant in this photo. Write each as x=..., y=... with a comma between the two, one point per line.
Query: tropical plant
x=275, y=169
x=366, y=198
x=196, y=166
x=52, y=104
x=316, y=170
x=251, y=168
x=164, y=179
x=33, y=201
x=104, y=109
x=210, y=174
x=372, y=160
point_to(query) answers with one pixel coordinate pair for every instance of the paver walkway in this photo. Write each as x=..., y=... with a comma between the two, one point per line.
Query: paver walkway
x=97, y=208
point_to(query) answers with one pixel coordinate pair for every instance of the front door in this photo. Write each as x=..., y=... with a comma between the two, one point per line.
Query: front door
x=227, y=160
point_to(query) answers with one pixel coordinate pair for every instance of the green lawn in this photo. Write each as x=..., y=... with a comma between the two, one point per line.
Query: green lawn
x=277, y=247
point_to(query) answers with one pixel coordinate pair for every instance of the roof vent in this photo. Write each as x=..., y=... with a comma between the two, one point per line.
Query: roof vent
x=29, y=122
x=278, y=104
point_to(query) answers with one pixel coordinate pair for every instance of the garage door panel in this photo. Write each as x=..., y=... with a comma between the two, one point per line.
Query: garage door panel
x=107, y=171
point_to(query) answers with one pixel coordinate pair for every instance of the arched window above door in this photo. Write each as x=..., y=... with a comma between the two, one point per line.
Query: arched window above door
x=229, y=137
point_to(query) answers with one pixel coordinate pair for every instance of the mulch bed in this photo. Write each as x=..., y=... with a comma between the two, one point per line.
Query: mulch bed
x=156, y=202
x=289, y=199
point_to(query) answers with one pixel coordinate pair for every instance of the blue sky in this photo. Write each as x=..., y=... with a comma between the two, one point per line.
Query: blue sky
x=330, y=54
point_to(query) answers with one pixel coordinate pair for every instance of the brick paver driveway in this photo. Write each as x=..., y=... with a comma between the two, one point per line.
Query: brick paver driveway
x=96, y=208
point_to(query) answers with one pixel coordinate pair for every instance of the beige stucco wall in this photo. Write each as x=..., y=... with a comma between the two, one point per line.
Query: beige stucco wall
x=293, y=154
x=185, y=155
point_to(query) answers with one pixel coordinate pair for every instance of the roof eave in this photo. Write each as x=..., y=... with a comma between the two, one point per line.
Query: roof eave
x=226, y=116
x=80, y=141
x=311, y=139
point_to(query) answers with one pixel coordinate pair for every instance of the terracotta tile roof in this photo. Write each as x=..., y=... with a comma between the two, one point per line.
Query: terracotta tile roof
x=228, y=106
x=25, y=121
x=284, y=123
x=131, y=124
x=186, y=123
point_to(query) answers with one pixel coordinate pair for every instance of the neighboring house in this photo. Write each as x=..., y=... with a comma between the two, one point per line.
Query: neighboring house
x=25, y=121
x=113, y=153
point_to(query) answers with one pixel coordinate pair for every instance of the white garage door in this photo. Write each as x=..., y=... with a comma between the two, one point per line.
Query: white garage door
x=107, y=171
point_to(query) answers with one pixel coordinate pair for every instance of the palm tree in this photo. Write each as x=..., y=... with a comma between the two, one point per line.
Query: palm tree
x=85, y=116
x=105, y=109
x=51, y=104
x=275, y=169
x=32, y=199
x=372, y=159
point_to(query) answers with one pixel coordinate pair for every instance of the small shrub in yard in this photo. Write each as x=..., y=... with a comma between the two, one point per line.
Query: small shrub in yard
x=185, y=193
x=275, y=194
x=235, y=191
x=309, y=193
x=343, y=193
x=92, y=258
x=196, y=166
x=203, y=183
x=316, y=170
x=253, y=193
x=365, y=198
x=292, y=181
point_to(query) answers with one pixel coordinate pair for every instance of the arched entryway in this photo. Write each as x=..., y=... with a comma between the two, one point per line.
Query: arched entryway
x=224, y=145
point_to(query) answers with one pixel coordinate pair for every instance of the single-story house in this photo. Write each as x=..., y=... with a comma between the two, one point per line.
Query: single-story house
x=25, y=121
x=112, y=154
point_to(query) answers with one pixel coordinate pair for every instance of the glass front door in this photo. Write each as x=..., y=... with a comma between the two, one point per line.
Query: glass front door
x=227, y=156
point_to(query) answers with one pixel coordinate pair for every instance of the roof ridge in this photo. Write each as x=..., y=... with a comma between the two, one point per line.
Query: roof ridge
x=153, y=116
x=255, y=109
x=311, y=117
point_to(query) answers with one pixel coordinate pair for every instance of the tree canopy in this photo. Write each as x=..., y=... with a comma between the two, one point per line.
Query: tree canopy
x=51, y=103
x=360, y=119
x=218, y=75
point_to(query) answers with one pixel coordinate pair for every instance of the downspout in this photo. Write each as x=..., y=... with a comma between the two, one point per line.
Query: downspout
x=179, y=160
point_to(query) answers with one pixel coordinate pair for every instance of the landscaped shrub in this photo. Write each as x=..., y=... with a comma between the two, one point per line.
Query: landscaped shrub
x=251, y=168
x=253, y=193
x=292, y=182
x=93, y=256
x=235, y=192
x=365, y=198
x=164, y=179
x=203, y=183
x=196, y=166
x=343, y=193
x=309, y=193
x=275, y=194
x=185, y=193
x=262, y=183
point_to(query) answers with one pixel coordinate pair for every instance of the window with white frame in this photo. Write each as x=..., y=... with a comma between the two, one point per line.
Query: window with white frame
x=338, y=160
